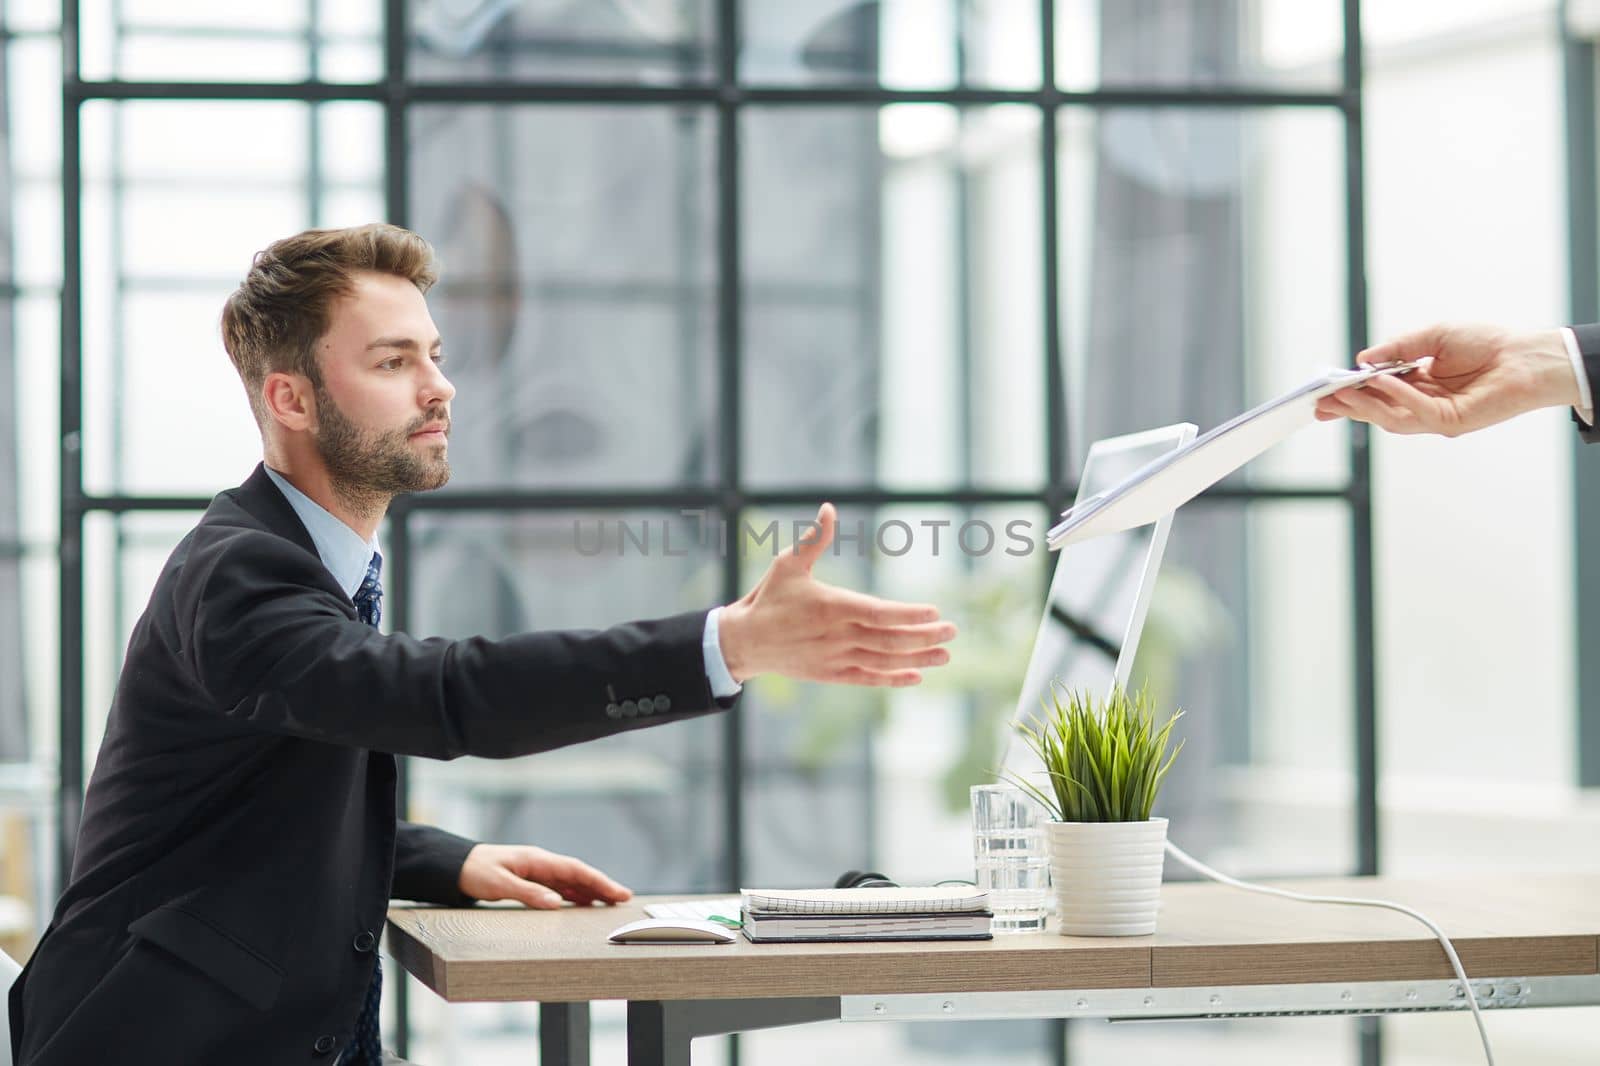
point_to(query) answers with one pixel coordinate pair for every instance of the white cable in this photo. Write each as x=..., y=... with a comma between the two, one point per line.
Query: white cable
x=1449, y=949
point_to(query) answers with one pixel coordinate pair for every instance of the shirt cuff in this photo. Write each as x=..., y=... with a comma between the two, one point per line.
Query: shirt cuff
x=722, y=683
x=1585, y=405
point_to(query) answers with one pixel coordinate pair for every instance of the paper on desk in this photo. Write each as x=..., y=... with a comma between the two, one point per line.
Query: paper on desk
x=1177, y=477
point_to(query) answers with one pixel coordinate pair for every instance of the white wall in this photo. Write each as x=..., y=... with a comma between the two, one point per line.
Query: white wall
x=1465, y=173
x=1465, y=182
x=1466, y=187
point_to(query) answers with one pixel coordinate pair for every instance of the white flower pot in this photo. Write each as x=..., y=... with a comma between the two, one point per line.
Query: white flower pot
x=1106, y=876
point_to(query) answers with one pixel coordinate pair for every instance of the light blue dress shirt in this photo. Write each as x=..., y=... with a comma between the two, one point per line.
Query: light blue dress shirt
x=341, y=548
x=346, y=556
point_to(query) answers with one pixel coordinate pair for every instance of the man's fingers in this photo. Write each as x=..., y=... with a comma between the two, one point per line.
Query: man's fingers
x=1401, y=394
x=579, y=881
x=861, y=675
x=531, y=893
x=1407, y=347
x=596, y=885
x=861, y=609
x=1332, y=406
x=1387, y=402
x=904, y=638
x=1379, y=412
x=886, y=661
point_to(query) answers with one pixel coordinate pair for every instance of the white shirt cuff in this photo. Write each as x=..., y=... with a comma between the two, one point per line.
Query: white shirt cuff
x=1585, y=404
x=722, y=683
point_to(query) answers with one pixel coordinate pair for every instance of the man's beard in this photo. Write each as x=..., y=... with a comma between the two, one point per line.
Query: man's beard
x=369, y=468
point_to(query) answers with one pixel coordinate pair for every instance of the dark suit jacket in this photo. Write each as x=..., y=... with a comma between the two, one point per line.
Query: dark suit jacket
x=239, y=842
x=1589, y=345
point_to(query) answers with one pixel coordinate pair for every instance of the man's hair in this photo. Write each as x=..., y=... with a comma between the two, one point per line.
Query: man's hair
x=273, y=320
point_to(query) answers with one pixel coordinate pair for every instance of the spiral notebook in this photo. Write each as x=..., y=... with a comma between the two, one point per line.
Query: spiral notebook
x=952, y=899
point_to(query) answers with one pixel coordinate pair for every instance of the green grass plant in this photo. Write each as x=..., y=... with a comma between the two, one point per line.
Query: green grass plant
x=1103, y=759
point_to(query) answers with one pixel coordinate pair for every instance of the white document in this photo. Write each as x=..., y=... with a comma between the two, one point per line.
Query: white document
x=1173, y=479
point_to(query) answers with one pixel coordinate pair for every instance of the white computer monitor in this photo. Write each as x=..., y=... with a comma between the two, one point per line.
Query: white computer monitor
x=1089, y=631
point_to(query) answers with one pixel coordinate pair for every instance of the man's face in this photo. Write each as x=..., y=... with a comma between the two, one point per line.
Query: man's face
x=383, y=405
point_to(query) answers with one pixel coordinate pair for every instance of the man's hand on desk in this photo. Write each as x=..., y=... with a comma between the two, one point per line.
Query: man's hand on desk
x=793, y=624
x=536, y=877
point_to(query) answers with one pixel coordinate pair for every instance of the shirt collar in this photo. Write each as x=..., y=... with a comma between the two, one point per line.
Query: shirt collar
x=341, y=548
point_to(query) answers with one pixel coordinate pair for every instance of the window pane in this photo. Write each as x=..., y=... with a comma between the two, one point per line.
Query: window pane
x=32, y=182
x=1202, y=272
x=882, y=775
x=30, y=581
x=122, y=557
x=650, y=42
x=899, y=44
x=892, y=318
x=1251, y=601
x=1238, y=620
x=28, y=774
x=164, y=243
x=1269, y=44
x=806, y=746
x=642, y=806
x=14, y=733
x=36, y=333
x=33, y=108
x=1249, y=632
x=31, y=16
x=30, y=147
x=194, y=40
x=577, y=300
x=906, y=757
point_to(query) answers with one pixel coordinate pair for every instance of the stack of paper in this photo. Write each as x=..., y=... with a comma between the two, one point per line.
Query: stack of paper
x=1169, y=482
x=956, y=913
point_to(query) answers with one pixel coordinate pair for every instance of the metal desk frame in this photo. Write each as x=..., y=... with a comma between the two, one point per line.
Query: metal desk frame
x=660, y=1032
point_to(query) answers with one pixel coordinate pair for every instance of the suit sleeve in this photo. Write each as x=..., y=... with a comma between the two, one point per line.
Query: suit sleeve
x=276, y=647
x=1588, y=338
x=427, y=865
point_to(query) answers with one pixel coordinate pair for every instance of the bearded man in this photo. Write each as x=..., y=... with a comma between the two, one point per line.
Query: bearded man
x=240, y=841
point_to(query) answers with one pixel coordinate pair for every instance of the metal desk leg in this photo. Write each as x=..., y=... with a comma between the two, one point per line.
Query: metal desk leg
x=564, y=1034
x=659, y=1032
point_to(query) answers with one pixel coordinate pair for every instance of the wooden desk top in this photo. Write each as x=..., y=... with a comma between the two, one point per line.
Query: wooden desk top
x=1208, y=935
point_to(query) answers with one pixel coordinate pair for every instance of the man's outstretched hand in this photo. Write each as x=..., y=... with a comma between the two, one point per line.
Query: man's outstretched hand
x=795, y=625
x=1479, y=375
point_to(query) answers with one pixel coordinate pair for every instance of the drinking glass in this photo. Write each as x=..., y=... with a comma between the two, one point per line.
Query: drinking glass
x=1008, y=851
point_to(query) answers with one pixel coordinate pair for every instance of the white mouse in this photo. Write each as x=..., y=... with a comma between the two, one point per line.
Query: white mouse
x=672, y=931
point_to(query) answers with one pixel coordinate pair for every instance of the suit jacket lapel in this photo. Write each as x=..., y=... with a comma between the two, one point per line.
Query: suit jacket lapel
x=259, y=497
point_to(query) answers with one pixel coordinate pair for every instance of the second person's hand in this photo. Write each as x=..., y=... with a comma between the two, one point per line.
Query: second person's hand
x=1477, y=376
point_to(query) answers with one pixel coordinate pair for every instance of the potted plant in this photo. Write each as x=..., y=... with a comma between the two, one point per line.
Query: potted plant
x=1105, y=762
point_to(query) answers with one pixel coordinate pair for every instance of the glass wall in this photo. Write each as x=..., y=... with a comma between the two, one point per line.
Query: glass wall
x=30, y=286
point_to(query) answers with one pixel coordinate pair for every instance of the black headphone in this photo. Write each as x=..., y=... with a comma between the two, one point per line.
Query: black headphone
x=862, y=879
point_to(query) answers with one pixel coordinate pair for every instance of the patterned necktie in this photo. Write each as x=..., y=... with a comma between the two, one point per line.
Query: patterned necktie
x=366, y=1046
x=369, y=597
